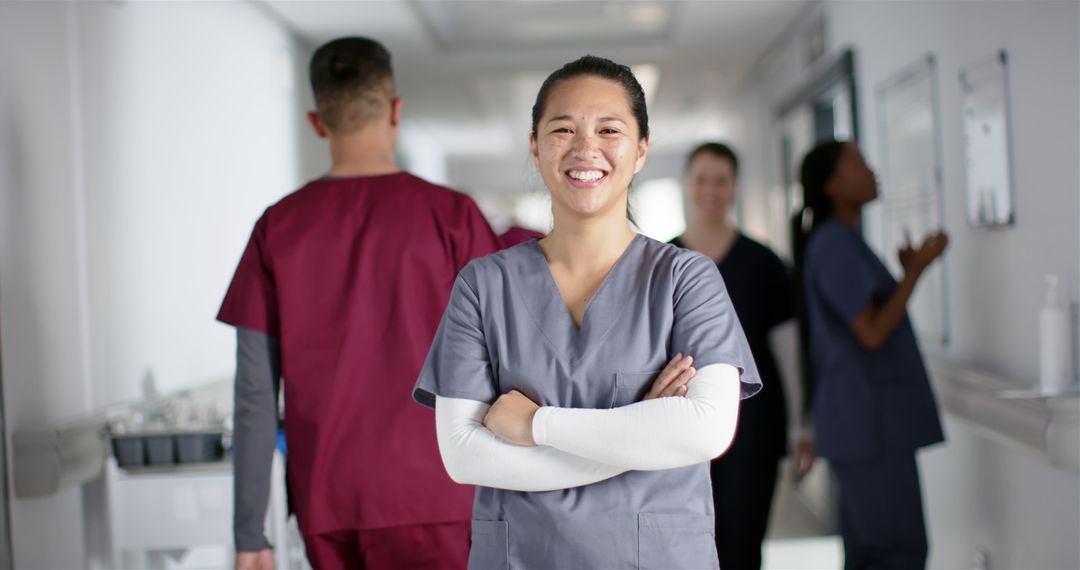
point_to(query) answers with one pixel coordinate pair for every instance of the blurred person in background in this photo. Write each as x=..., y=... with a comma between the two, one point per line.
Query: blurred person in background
x=744, y=478
x=339, y=292
x=873, y=407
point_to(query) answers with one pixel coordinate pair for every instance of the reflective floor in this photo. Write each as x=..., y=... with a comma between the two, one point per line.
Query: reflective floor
x=797, y=538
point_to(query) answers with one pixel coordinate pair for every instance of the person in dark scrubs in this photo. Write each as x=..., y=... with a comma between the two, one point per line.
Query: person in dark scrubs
x=873, y=406
x=584, y=381
x=744, y=478
x=339, y=292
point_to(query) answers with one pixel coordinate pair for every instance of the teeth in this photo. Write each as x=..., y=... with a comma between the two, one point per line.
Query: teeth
x=586, y=174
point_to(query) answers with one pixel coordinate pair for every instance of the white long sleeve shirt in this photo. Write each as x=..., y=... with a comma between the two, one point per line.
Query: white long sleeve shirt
x=577, y=447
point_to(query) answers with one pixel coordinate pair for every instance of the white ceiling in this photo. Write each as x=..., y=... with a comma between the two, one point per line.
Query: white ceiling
x=469, y=69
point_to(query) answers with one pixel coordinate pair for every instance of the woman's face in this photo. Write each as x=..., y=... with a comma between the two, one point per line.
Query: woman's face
x=710, y=186
x=852, y=182
x=587, y=147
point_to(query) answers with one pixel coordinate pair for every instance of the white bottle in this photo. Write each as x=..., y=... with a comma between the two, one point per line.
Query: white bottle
x=1055, y=358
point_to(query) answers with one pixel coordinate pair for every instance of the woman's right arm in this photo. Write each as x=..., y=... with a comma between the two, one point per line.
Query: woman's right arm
x=457, y=381
x=474, y=456
x=873, y=326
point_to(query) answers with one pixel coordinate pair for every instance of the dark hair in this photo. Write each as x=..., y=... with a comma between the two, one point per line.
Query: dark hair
x=715, y=148
x=350, y=78
x=597, y=67
x=817, y=169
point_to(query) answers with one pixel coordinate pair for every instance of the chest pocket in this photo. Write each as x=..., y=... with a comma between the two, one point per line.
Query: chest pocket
x=631, y=387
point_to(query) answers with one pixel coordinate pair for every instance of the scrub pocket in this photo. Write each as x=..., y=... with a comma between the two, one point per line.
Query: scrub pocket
x=631, y=387
x=490, y=546
x=674, y=541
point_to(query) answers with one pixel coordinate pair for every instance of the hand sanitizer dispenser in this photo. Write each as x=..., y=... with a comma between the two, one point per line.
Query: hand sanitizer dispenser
x=1055, y=343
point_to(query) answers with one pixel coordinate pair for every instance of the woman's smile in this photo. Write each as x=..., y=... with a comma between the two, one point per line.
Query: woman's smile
x=585, y=177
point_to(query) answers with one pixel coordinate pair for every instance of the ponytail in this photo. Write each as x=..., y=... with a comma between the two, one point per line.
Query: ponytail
x=800, y=234
x=817, y=169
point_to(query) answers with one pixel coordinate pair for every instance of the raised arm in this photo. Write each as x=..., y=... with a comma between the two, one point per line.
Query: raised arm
x=875, y=323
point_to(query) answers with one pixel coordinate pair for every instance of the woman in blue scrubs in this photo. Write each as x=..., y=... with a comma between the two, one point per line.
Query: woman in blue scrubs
x=583, y=381
x=873, y=407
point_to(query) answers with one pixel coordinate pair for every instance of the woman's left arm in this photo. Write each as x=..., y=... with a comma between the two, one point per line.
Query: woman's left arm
x=662, y=433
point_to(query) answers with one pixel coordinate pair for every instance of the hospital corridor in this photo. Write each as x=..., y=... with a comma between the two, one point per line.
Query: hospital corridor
x=540, y=284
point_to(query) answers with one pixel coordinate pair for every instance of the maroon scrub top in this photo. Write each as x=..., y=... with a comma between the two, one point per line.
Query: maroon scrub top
x=353, y=275
x=517, y=234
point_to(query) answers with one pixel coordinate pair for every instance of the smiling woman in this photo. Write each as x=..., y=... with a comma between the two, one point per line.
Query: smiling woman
x=594, y=133
x=584, y=380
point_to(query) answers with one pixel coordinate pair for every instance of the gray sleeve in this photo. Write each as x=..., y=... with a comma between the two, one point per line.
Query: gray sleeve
x=458, y=365
x=706, y=325
x=258, y=378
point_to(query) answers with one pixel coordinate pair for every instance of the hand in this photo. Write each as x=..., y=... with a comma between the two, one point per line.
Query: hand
x=260, y=560
x=510, y=418
x=917, y=260
x=804, y=455
x=673, y=378
x=906, y=256
x=932, y=247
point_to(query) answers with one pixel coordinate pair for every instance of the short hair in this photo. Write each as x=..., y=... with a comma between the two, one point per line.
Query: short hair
x=718, y=149
x=352, y=81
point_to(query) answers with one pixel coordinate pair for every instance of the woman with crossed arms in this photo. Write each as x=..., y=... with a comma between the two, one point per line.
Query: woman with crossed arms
x=583, y=381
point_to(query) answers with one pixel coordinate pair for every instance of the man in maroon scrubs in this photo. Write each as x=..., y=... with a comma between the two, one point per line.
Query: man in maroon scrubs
x=339, y=292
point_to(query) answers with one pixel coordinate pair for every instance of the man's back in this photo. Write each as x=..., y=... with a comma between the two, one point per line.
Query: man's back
x=352, y=275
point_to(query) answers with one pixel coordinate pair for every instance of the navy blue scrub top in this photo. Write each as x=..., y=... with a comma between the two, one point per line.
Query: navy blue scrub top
x=867, y=402
x=507, y=328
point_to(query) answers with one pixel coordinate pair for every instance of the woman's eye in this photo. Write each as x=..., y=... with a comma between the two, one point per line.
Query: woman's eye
x=562, y=130
x=608, y=131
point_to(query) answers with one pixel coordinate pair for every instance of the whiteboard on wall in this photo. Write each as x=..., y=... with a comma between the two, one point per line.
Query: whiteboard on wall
x=910, y=179
x=985, y=101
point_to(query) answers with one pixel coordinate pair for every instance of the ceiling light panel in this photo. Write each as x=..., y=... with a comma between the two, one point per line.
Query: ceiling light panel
x=468, y=25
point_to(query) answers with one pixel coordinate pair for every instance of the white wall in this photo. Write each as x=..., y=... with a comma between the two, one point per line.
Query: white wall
x=1002, y=500
x=42, y=275
x=141, y=142
x=980, y=494
x=996, y=328
x=186, y=142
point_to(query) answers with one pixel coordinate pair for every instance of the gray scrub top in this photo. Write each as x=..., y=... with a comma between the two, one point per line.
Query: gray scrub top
x=507, y=328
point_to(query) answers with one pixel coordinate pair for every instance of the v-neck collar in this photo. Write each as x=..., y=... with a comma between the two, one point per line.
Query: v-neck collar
x=551, y=314
x=731, y=250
